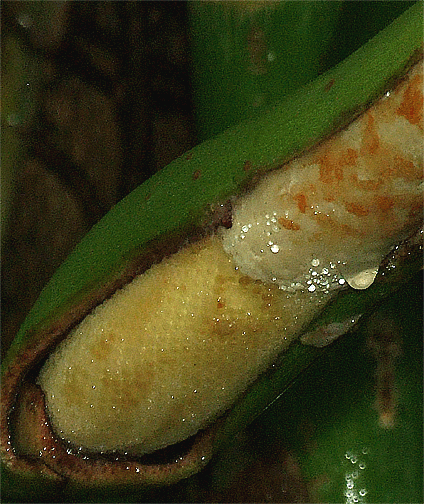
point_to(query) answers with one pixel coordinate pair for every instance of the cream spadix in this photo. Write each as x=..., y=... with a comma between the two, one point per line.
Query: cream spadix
x=171, y=351
x=168, y=353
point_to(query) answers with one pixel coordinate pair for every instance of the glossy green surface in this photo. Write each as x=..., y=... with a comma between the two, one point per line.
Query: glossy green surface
x=247, y=56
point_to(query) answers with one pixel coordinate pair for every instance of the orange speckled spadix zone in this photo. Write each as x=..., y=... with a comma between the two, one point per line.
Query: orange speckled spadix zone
x=342, y=205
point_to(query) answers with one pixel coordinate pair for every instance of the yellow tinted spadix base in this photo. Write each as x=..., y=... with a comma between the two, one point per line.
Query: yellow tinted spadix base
x=169, y=352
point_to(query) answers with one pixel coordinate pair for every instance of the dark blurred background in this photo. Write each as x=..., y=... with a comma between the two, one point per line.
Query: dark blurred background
x=110, y=104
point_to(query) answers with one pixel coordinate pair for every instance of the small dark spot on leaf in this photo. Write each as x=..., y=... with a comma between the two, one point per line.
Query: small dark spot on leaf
x=329, y=85
x=196, y=174
x=189, y=156
x=247, y=166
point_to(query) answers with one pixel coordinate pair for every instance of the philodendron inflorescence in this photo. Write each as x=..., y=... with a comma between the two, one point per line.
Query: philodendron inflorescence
x=187, y=290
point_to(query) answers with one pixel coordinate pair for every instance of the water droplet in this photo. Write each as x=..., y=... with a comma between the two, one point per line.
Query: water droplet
x=362, y=492
x=363, y=279
x=275, y=249
x=311, y=288
x=25, y=20
x=315, y=262
x=271, y=57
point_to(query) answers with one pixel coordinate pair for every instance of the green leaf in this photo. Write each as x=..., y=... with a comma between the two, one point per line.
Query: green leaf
x=249, y=55
x=334, y=407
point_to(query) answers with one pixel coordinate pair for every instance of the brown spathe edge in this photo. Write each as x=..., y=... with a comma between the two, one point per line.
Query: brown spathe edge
x=56, y=462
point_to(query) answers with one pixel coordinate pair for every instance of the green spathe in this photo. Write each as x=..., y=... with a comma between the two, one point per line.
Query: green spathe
x=181, y=195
